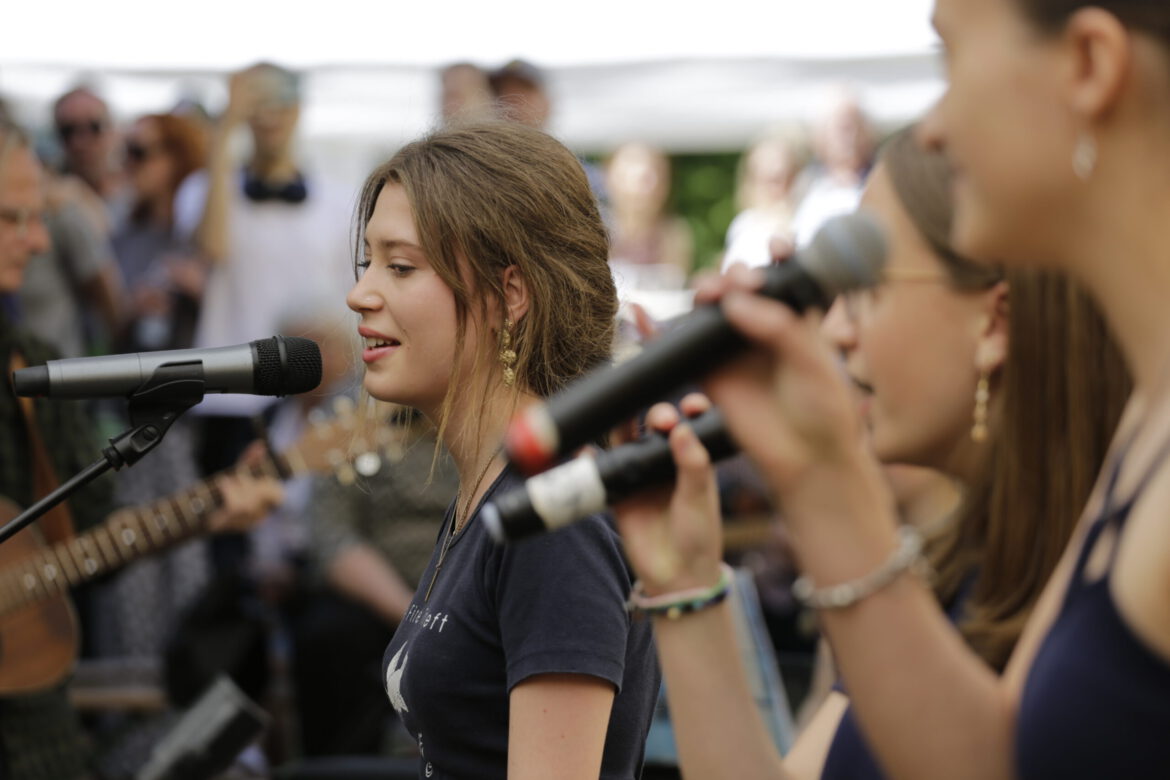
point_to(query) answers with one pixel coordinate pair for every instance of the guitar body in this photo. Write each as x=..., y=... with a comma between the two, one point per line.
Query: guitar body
x=39, y=641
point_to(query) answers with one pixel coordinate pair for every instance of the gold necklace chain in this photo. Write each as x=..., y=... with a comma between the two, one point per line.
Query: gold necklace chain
x=457, y=524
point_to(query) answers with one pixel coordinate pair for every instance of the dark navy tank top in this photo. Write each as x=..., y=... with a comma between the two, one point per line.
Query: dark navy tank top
x=1096, y=703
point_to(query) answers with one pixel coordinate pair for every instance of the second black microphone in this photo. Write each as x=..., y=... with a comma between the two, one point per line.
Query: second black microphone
x=587, y=484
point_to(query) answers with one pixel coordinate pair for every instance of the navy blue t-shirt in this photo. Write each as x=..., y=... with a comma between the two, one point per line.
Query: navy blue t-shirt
x=499, y=614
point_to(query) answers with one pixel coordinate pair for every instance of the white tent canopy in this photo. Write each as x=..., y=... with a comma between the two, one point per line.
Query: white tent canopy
x=687, y=76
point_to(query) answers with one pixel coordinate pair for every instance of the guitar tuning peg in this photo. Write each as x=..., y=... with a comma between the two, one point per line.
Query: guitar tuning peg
x=368, y=464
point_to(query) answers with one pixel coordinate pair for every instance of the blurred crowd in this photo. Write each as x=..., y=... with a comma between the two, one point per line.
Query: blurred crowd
x=167, y=232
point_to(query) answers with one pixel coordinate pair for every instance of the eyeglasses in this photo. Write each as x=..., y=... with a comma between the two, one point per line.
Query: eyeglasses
x=21, y=219
x=88, y=126
x=137, y=153
x=859, y=302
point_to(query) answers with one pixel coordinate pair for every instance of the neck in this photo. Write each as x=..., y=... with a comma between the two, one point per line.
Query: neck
x=1123, y=259
x=160, y=210
x=474, y=436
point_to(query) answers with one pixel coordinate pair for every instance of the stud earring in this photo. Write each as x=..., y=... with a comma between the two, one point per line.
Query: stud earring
x=982, y=400
x=507, y=354
x=1084, y=158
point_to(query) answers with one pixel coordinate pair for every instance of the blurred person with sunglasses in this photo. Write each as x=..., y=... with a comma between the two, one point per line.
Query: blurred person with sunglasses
x=72, y=294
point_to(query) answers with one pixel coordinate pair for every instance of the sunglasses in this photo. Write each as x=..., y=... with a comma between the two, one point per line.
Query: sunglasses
x=137, y=153
x=90, y=127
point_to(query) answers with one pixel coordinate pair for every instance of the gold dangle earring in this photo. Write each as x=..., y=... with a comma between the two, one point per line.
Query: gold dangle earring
x=982, y=400
x=507, y=354
x=1084, y=158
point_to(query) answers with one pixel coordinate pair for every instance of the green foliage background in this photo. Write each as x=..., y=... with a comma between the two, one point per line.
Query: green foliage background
x=703, y=193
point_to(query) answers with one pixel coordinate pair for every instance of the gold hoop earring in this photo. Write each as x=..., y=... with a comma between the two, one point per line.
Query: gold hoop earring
x=507, y=355
x=982, y=401
x=1084, y=158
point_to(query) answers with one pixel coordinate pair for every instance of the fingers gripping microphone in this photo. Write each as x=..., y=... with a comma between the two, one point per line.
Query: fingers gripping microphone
x=587, y=484
x=847, y=253
x=273, y=366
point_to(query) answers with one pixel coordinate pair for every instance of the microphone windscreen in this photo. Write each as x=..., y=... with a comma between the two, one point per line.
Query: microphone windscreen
x=286, y=365
x=847, y=253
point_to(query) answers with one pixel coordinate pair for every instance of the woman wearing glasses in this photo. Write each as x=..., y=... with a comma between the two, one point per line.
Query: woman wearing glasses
x=943, y=374
x=161, y=271
x=1056, y=121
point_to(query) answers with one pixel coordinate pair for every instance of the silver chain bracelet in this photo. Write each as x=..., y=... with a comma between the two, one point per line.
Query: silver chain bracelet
x=907, y=556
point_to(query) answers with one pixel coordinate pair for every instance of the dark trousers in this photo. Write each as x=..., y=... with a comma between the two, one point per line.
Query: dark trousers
x=337, y=673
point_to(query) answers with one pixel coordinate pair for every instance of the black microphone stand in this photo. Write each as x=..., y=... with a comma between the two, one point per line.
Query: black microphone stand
x=171, y=390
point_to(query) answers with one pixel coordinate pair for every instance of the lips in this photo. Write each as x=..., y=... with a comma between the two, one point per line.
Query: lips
x=377, y=345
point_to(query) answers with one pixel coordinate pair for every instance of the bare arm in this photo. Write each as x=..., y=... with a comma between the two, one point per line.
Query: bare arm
x=360, y=572
x=556, y=727
x=716, y=723
x=213, y=234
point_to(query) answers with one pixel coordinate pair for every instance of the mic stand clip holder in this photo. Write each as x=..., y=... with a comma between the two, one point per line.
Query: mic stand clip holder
x=171, y=390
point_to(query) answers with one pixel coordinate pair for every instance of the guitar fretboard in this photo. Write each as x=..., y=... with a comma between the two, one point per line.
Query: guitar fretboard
x=126, y=535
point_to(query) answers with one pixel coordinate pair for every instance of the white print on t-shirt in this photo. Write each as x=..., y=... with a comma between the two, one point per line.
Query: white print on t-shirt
x=394, y=674
x=429, y=620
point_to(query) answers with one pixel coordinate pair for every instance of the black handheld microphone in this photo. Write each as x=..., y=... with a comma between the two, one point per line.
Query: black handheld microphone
x=272, y=366
x=847, y=253
x=587, y=484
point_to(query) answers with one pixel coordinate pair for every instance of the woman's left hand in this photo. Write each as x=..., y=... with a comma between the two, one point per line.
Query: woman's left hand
x=672, y=535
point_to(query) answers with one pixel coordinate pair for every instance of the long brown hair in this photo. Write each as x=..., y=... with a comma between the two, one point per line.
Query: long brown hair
x=1059, y=394
x=186, y=144
x=491, y=195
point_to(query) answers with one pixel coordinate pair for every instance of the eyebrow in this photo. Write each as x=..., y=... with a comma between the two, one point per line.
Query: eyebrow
x=390, y=244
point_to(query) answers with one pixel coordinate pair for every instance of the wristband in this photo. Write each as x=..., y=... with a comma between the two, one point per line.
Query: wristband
x=674, y=605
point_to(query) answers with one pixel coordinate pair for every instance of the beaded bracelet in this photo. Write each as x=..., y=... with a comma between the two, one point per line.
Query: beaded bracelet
x=674, y=605
x=906, y=557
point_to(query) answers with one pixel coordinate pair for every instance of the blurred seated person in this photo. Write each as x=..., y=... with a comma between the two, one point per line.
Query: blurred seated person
x=282, y=541
x=766, y=200
x=844, y=148
x=370, y=542
x=650, y=247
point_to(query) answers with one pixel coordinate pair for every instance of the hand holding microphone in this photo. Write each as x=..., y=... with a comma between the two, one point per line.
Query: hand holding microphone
x=847, y=253
x=589, y=483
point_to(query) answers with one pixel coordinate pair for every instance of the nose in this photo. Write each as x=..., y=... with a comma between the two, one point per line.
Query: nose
x=37, y=236
x=361, y=298
x=838, y=328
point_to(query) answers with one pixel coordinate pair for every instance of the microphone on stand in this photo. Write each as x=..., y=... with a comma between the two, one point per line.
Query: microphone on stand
x=274, y=366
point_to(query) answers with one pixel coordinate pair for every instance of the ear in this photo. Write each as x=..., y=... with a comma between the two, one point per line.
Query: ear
x=1100, y=58
x=515, y=288
x=991, y=341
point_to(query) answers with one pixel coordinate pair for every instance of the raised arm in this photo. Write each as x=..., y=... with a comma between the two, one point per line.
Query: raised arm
x=213, y=233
